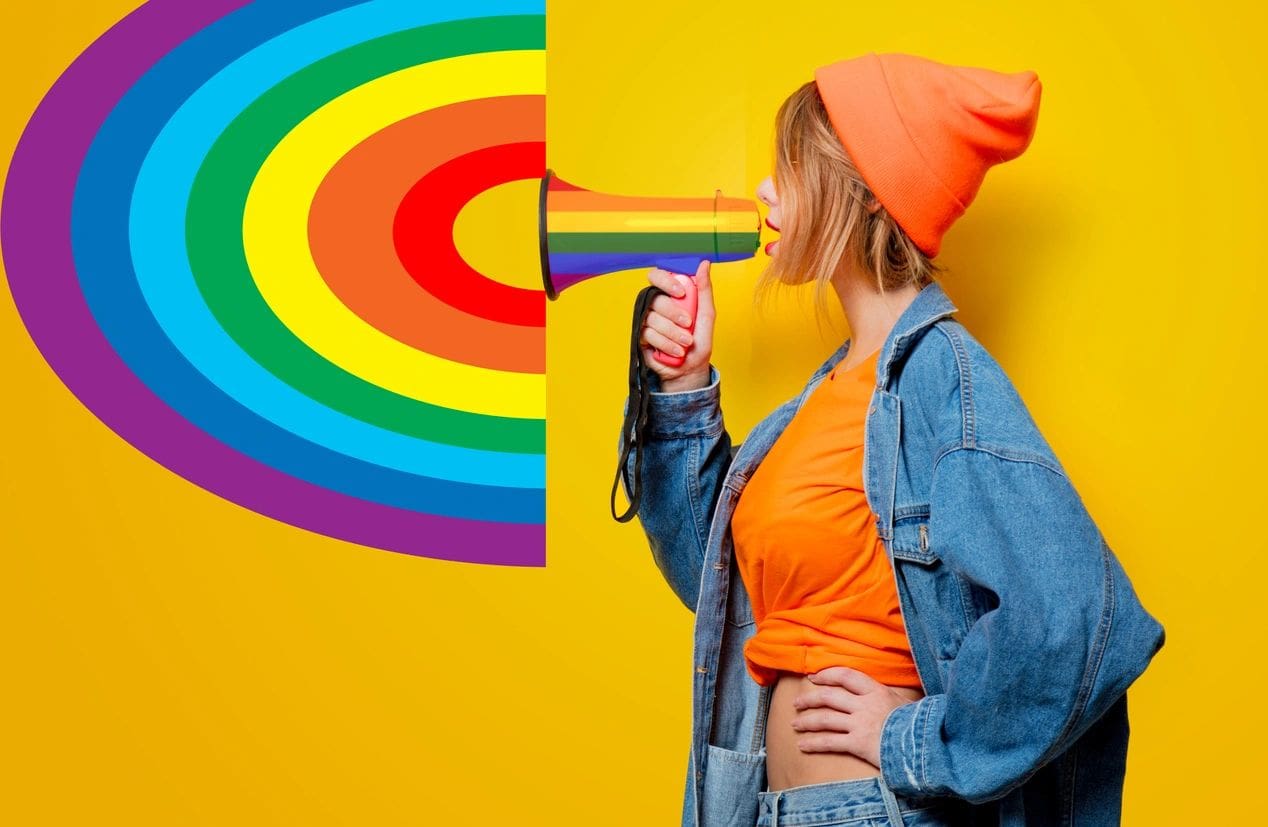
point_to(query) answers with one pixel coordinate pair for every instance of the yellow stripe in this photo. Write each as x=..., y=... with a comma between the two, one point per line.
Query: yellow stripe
x=644, y=221
x=275, y=233
x=634, y=221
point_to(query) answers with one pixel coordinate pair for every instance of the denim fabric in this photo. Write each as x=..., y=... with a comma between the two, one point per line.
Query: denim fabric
x=1025, y=629
x=858, y=802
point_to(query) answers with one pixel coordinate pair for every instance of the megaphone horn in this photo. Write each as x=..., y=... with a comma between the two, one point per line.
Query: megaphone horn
x=583, y=234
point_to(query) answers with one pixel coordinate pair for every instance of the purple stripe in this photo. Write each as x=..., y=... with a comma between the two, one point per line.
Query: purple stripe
x=35, y=228
x=567, y=269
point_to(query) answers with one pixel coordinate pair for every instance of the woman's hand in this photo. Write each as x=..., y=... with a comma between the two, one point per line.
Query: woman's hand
x=665, y=329
x=845, y=713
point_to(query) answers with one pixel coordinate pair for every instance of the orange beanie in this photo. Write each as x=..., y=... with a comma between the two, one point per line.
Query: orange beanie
x=923, y=134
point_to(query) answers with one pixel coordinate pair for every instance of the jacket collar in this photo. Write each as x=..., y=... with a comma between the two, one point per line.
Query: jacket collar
x=930, y=304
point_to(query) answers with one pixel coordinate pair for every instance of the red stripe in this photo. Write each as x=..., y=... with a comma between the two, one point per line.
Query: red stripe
x=424, y=224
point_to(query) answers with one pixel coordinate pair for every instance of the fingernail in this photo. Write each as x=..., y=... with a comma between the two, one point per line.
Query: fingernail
x=684, y=320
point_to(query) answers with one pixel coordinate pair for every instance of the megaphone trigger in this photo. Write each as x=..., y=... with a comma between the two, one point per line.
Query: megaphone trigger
x=687, y=303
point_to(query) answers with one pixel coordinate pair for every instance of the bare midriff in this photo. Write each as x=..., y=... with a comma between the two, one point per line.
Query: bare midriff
x=786, y=765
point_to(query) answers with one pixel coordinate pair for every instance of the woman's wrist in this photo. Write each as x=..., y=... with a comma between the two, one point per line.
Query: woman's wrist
x=689, y=382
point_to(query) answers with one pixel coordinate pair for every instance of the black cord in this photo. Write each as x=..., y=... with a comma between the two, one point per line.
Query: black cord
x=636, y=412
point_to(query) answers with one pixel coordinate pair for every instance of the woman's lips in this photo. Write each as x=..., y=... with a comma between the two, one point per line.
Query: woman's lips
x=771, y=246
x=772, y=226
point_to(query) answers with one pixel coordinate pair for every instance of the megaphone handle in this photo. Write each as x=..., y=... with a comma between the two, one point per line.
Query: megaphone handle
x=687, y=303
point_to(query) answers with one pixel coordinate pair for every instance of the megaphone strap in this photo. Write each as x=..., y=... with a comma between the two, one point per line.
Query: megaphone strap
x=636, y=410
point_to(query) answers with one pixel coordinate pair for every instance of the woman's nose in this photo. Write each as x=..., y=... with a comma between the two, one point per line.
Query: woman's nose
x=766, y=192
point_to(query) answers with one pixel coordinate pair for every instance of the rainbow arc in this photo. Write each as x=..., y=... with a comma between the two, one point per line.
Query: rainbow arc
x=228, y=227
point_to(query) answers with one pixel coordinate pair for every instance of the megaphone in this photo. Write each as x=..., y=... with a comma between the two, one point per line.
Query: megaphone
x=583, y=234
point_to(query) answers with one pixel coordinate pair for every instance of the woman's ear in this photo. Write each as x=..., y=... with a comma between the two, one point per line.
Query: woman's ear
x=873, y=205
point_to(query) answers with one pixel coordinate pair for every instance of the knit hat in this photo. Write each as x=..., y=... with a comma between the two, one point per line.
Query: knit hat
x=923, y=134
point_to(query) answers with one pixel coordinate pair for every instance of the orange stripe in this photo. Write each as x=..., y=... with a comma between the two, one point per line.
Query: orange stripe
x=570, y=201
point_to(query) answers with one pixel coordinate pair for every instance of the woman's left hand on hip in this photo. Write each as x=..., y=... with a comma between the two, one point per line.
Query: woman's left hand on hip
x=844, y=713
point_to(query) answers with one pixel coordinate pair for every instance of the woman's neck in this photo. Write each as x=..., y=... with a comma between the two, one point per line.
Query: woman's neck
x=870, y=315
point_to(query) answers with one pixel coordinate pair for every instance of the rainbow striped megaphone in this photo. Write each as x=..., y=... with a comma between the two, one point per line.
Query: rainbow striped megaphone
x=583, y=234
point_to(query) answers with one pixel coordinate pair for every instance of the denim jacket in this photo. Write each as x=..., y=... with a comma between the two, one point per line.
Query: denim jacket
x=1025, y=629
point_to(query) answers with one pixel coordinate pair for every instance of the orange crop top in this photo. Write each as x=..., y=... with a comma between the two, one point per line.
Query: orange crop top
x=806, y=546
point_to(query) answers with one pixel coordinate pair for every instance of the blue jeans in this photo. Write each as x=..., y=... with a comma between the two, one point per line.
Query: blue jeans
x=857, y=802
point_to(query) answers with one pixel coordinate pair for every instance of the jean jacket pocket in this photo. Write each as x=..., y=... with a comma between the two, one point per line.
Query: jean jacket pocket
x=732, y=781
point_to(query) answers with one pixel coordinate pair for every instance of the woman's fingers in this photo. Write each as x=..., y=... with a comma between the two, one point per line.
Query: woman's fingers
x=852, y=679
x=654, y=338
x=668, y=308
x=705, y=313
x=704, y=286
x=830, y=742
x=832, y=697
x=820, y=719
x=668, y=329
x=666, y=281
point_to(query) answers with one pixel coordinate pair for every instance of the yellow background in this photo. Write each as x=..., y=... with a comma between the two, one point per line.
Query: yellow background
x=172, y=658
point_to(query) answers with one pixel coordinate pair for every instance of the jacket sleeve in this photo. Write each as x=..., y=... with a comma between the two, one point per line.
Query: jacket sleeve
x=686, y=453
x=1065, y=640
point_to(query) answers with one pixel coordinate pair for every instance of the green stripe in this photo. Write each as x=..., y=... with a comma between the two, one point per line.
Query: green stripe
x=649, y=242
x=215, y=217
x=739, y=242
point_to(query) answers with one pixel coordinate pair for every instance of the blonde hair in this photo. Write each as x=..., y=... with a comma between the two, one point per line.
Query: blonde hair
x=824, y=215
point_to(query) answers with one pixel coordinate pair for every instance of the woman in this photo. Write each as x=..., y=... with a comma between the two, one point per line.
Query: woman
x=1000, y=697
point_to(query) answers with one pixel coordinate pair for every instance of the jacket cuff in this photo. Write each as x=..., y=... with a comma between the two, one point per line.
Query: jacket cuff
x=904, y=736
x=685, y=413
